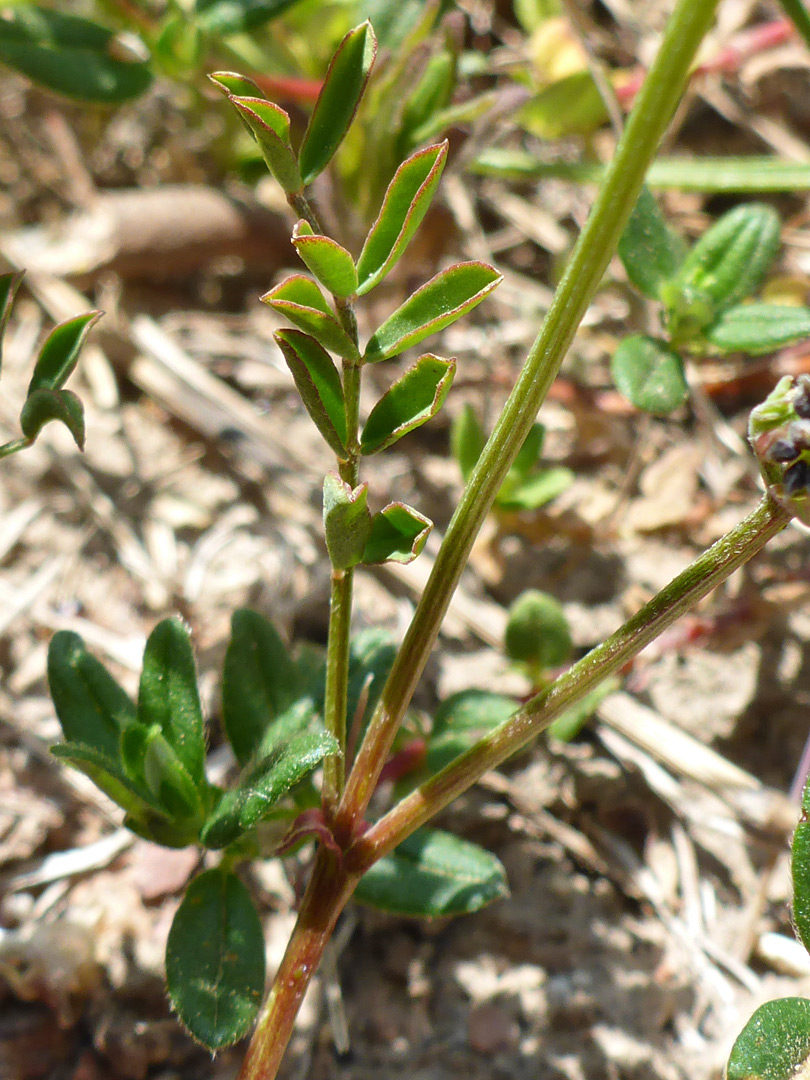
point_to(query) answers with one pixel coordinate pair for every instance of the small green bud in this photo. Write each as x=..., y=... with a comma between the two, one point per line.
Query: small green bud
x=537, y=631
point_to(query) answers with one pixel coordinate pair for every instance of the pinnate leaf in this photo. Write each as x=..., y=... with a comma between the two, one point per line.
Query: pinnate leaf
x=331, y=264
x=215, y=964
x=259, y=682
x=650, y=251
x=774, y=1044
x=9, y=283
x=270, y=126
x=318, y=383
x=264, y=785
x=70, y=55
x=438, y=303
x=405, y=204
x=410, y=402
x=398, y=534
x=300, y=300
x=338, y=100
x=649, y=374
x=60, y=352
x=42, y=406
x=758, y=328
x=168, y=698
x=346, y=521
x=92, y=708
x=433, y=874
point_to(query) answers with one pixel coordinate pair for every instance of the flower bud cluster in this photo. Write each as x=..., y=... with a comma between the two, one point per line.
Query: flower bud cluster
x=779, y=431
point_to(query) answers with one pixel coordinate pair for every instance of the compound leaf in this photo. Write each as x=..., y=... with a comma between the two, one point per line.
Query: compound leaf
x=412, y=400
x=215, y=959
x=649, y=374
x=433, y=874
x=405, y=204
x=338, y=100
x=438, y=303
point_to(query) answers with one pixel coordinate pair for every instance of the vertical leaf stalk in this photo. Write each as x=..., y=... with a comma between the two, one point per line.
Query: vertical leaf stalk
x=636, y=149
x=703, y=575
x=340, y=600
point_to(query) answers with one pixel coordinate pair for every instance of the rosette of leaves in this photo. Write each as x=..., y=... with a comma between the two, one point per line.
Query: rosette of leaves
x=705, y=295
x=46, y=399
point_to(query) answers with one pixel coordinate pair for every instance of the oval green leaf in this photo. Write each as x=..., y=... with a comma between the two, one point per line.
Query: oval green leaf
x=338, y=100
x=398, y=534
x=60, y=352
x=70, y=55
x=346, y=521
x=92, y=708
x=467, y=440
x=9, y=283
x=433, y=874
x=650, y=251
x=318, y=383
x=438, y=303
x=259, y=681
x=262, y=787
x=537, y=631
x=732, y=257
x=168, y=696
x=238, y=16
x=759, y=328
x=331, y=264
x=649, y=374
x=301, y=301
x=774, y=1044
x=410, y=402
x=405, y=204
x=270, y=126
x=533, y=492
x=215, y=959
x=570, y=106
x=42, y=406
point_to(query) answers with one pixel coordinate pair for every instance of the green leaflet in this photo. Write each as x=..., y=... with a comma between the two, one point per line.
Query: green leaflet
x=433, y=874
x=346, y=521
x=70, y=55
x=758, y=328
x=42, y=406
x=650, y=251
x=270, y=126
x=260, y=681
x=537, y=631
x=301, y=301
x=338, y=100
x=437, y=304
x=60, y=352
x=215, y=959
x=318, y=383
x=649, y=374
x=412, y=400
x=774, y=1044
x=398, y=534
x=405, y=204
x=331, y=264
x=238, y=16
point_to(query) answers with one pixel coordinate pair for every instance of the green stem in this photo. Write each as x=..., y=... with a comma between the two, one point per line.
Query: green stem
x=598, y=240
x=9, y=448
x=338, y=646
x=704, y=574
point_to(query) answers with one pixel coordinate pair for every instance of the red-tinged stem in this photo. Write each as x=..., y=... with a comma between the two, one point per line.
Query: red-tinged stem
x=329, y=889
x=699, y=579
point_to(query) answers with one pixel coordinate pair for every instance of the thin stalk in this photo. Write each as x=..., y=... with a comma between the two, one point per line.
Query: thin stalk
x=336, y=693
x=598, y=240
x=12, y=447
x=704, y=574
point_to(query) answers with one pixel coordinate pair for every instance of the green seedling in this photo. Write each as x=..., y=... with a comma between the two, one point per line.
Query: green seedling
x=527, y=486
x=46, y=400
x=705, y=297
x=315, y=738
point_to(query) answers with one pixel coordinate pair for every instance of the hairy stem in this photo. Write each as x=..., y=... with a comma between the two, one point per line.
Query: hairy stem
x=703, y=575
x=652, y=112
